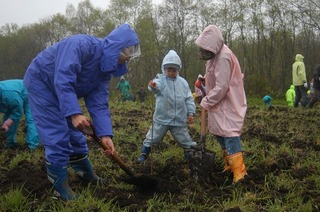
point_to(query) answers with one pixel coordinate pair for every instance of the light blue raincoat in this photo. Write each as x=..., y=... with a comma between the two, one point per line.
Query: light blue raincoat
x=78, y=66
x=174, y=102
x=14, y=103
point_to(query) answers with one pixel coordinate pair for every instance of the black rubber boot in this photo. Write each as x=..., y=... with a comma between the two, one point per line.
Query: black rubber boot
x=59, y=177
x=83, y=168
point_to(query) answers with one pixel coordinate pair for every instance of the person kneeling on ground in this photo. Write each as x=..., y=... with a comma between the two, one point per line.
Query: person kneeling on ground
x=267, y=100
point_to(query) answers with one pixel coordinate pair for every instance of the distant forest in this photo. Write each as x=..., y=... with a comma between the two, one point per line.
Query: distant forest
x=264, y=34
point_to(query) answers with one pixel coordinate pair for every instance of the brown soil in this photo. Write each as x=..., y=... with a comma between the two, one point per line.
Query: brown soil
x=276, y=125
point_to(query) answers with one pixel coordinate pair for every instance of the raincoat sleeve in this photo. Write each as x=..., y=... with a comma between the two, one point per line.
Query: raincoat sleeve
x=69, y=57
x=14, y=104
x=98, y=107
x=191, y=107
x=156, y=90
x=222, y=74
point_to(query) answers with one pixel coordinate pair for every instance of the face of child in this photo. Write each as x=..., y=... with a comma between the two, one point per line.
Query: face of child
x=172, y=72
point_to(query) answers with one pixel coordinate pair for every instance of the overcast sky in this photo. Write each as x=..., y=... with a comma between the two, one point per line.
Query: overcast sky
x=31, y=11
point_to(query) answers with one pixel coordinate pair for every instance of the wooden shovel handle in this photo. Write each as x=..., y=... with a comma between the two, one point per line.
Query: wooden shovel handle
x=115, y=156
x=118, y=160
x=203, y=122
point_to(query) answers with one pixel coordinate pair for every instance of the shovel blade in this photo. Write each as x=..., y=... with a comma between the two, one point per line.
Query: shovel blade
x=142, y=182
x=201, y=163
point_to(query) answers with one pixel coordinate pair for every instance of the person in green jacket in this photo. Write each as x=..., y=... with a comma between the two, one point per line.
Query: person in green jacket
x=290, y=96
x=125, y=89
x=299, y=80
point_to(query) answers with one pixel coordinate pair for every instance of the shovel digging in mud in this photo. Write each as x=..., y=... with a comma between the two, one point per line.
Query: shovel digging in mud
x=143, y=182
x=201, y=160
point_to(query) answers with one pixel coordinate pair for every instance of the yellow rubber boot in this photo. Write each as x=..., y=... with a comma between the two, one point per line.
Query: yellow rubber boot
x=237, y=166
x=226, y=164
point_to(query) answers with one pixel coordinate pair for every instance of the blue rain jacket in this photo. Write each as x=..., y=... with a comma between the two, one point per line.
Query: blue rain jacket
x=174, y=100
x=78, y=66
x=14, y=103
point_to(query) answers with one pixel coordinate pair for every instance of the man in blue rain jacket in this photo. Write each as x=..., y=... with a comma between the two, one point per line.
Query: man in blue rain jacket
x=14, y=103
x=79, y=66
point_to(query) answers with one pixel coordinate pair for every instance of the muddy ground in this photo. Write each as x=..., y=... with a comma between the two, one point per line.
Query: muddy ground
x=275, y=125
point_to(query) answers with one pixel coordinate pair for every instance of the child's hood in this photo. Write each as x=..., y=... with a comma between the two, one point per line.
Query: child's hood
x=171, y=58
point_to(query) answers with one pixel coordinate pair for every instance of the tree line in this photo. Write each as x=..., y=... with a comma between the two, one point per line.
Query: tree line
x=264, y=34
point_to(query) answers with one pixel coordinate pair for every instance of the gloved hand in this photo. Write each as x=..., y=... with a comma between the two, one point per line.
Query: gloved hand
x=152, y=84
x=198, y=83
x=201, y=85
x=190, y=119
x=7, y=124
x=305, y=85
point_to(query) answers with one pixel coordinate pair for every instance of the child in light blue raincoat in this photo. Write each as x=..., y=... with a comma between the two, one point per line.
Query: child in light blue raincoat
x=174, y=107
x=14, y=103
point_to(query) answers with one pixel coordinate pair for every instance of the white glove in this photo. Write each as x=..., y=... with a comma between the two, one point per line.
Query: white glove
x=305, y=85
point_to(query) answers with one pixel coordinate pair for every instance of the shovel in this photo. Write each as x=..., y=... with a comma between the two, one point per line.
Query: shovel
x=140, y=181
x=201, y=160
x=200, y=150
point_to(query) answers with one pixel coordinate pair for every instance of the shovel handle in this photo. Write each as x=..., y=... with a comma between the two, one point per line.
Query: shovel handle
x=203, y=129
x=114, y=156
x=203, y=122
x=118, y=160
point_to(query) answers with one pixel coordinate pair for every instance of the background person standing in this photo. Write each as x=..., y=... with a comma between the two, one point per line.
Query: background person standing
x=299, y=80
x=316, y=86
x=142, y=94
x=125, y=89
x=200, y=89
x=290, y=96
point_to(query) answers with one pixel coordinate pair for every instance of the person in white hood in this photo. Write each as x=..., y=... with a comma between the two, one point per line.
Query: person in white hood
x=175, y=107
x=225, y=98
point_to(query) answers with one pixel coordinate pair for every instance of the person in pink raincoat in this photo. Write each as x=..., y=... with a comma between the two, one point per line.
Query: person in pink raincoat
x=225, y=99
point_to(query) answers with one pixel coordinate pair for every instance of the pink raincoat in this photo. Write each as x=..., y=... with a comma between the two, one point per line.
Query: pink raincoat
x=225, y=100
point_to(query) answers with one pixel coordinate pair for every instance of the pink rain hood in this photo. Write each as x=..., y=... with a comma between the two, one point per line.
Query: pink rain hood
x=225, y=100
